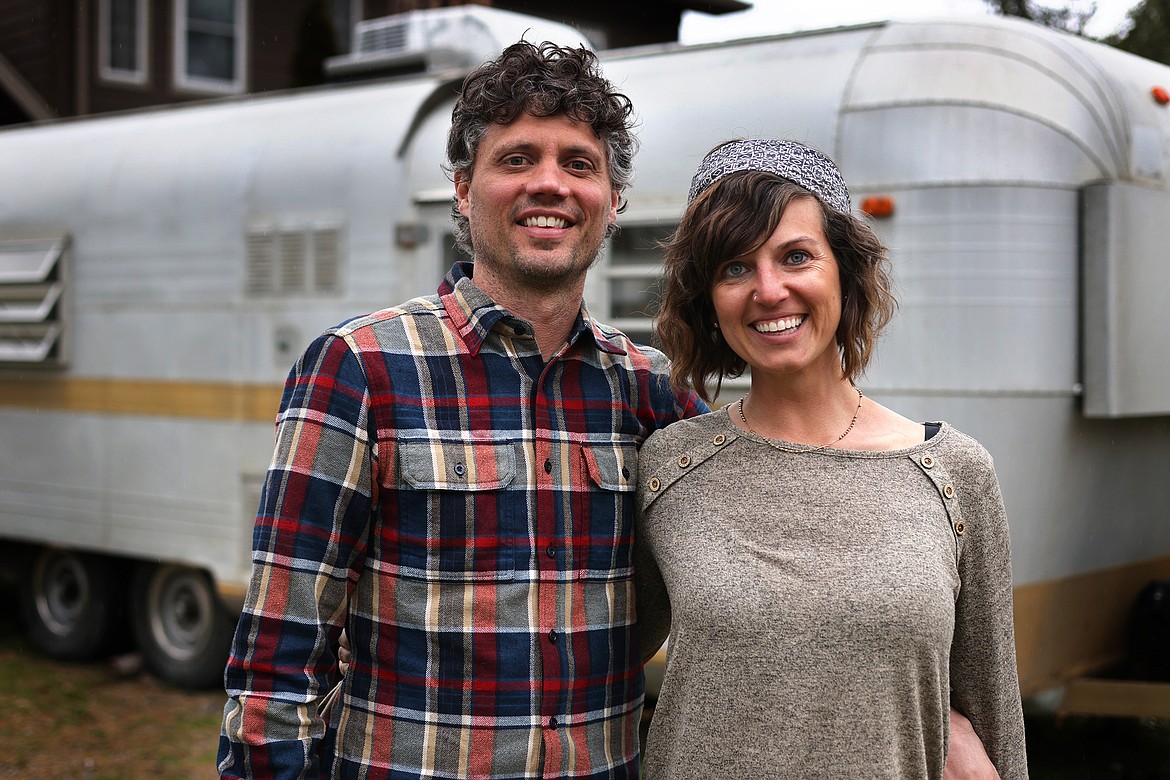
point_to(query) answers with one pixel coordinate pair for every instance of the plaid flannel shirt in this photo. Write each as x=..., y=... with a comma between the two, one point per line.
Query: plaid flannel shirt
x=465, y=510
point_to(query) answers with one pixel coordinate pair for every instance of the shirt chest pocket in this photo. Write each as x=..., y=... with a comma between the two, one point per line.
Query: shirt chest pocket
x=456, y=517
x=603, y=519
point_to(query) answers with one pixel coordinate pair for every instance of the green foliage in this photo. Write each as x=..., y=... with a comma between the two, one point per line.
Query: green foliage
x=1146, y=32
x=1149, y=31
x=1071, y=19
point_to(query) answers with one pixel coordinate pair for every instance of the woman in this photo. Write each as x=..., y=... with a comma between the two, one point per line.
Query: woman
x=833, y=575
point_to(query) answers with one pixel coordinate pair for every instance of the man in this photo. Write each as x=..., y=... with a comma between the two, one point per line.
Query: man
x=453, y=482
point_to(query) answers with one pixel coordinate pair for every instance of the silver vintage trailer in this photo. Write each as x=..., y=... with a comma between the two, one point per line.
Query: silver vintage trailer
x=160, y=271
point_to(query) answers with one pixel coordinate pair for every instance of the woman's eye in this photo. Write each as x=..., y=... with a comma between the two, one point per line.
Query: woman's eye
x=799, y=257
x=733, y=270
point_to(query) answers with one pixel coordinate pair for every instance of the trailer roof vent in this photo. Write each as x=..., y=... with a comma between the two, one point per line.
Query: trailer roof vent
x=441, y=39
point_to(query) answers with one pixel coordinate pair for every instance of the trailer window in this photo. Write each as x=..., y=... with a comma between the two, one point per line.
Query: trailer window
x=32, y=306
x=634, y=279
x=292, y=260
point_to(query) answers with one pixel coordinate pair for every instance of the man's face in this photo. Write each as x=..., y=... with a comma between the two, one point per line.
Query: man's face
x=539, y=201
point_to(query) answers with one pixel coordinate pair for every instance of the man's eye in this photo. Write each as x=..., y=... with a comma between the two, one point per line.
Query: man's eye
x=515, y=161
x=579, y=165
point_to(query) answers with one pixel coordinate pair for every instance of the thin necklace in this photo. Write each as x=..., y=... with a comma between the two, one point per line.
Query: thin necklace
x=852, y=422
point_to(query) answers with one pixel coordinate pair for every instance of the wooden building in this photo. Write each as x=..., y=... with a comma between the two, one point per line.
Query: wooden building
x=61, y=58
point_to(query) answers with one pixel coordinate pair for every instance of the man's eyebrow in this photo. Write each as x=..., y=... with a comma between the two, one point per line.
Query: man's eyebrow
x=569, y=151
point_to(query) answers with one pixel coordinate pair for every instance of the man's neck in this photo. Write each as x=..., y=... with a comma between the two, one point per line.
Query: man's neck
x=551, y=312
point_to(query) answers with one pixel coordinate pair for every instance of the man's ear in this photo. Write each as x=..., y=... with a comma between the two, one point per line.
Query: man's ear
x=613, y=206
x=462, y=185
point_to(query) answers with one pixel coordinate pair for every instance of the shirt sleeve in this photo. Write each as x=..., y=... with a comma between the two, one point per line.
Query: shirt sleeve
x=308, y=546
x=984, y=678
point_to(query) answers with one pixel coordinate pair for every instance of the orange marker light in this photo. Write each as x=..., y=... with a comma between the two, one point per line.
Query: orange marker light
x=878, y=206
x=1161, y=95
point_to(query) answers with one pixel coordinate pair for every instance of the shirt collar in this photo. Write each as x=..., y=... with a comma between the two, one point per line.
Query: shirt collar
x=474, y=315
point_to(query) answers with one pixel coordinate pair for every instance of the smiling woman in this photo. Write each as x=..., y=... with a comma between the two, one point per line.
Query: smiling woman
x=834, y=620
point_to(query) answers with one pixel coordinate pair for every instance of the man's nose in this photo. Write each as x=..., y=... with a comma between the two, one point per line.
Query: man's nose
x=548, y=178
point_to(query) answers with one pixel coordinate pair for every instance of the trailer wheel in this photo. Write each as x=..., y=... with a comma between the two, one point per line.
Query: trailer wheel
x=182, y=630
x=70, y=604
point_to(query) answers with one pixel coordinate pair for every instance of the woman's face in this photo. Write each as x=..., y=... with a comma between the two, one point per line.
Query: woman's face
x=779, y=306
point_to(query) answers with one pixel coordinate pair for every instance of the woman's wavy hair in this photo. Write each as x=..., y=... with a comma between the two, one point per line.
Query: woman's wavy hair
x=541, y=80
x=732, y=218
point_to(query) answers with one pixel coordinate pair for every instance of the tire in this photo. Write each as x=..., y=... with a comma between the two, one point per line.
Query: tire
x=72, y=604
x=182, y=630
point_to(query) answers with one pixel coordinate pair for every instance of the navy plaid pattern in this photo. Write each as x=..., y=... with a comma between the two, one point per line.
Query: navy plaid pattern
x=467, y=512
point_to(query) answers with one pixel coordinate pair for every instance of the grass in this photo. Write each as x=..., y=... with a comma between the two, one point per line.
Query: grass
x=88, y=721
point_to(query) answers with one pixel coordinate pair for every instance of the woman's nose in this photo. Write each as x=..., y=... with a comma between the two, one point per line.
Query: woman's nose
x=770, y=287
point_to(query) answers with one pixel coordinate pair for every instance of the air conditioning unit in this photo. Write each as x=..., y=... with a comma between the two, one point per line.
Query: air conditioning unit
x=442, y=39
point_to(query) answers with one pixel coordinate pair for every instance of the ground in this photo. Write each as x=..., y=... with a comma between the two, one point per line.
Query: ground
x=106, y=720
x=110, y=720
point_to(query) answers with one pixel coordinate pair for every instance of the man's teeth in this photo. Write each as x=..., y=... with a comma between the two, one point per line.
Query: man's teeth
x=544, y=222
x=776, y=326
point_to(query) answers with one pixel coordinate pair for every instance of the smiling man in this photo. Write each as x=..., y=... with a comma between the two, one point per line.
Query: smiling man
x=453, y=482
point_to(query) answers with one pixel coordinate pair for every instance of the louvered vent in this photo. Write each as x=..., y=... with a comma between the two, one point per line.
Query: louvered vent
x=327, y=259
x=33, y=282
x=293, y=260
x=260, y=271
x=390, y=36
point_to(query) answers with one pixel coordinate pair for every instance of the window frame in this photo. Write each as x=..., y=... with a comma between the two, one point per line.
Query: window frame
x=107, y=71
x=203, y=84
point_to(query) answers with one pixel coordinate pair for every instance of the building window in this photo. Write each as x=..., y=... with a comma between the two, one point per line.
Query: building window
x=122, y=28
x=209, y=45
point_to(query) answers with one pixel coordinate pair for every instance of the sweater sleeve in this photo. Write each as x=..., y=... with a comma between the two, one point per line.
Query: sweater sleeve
x=984, y=677
x=651, y=600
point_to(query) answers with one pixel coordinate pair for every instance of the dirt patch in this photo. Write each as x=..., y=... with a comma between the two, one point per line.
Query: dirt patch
x=107, y=720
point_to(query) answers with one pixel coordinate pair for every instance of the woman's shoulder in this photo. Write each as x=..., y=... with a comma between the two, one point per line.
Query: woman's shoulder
x=960, y=449
x=685, y=434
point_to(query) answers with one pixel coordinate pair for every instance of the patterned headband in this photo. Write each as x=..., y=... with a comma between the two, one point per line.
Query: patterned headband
x=787, y=159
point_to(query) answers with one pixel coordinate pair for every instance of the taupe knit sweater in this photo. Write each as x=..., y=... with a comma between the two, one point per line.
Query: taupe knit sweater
x=824, y=608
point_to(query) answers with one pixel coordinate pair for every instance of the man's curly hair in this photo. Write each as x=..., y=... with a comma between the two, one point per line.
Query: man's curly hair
x=541, y=80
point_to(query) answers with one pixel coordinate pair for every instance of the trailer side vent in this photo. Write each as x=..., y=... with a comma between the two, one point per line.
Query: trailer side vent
x=292, y=260
x=32, y=300
x=327, y=260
